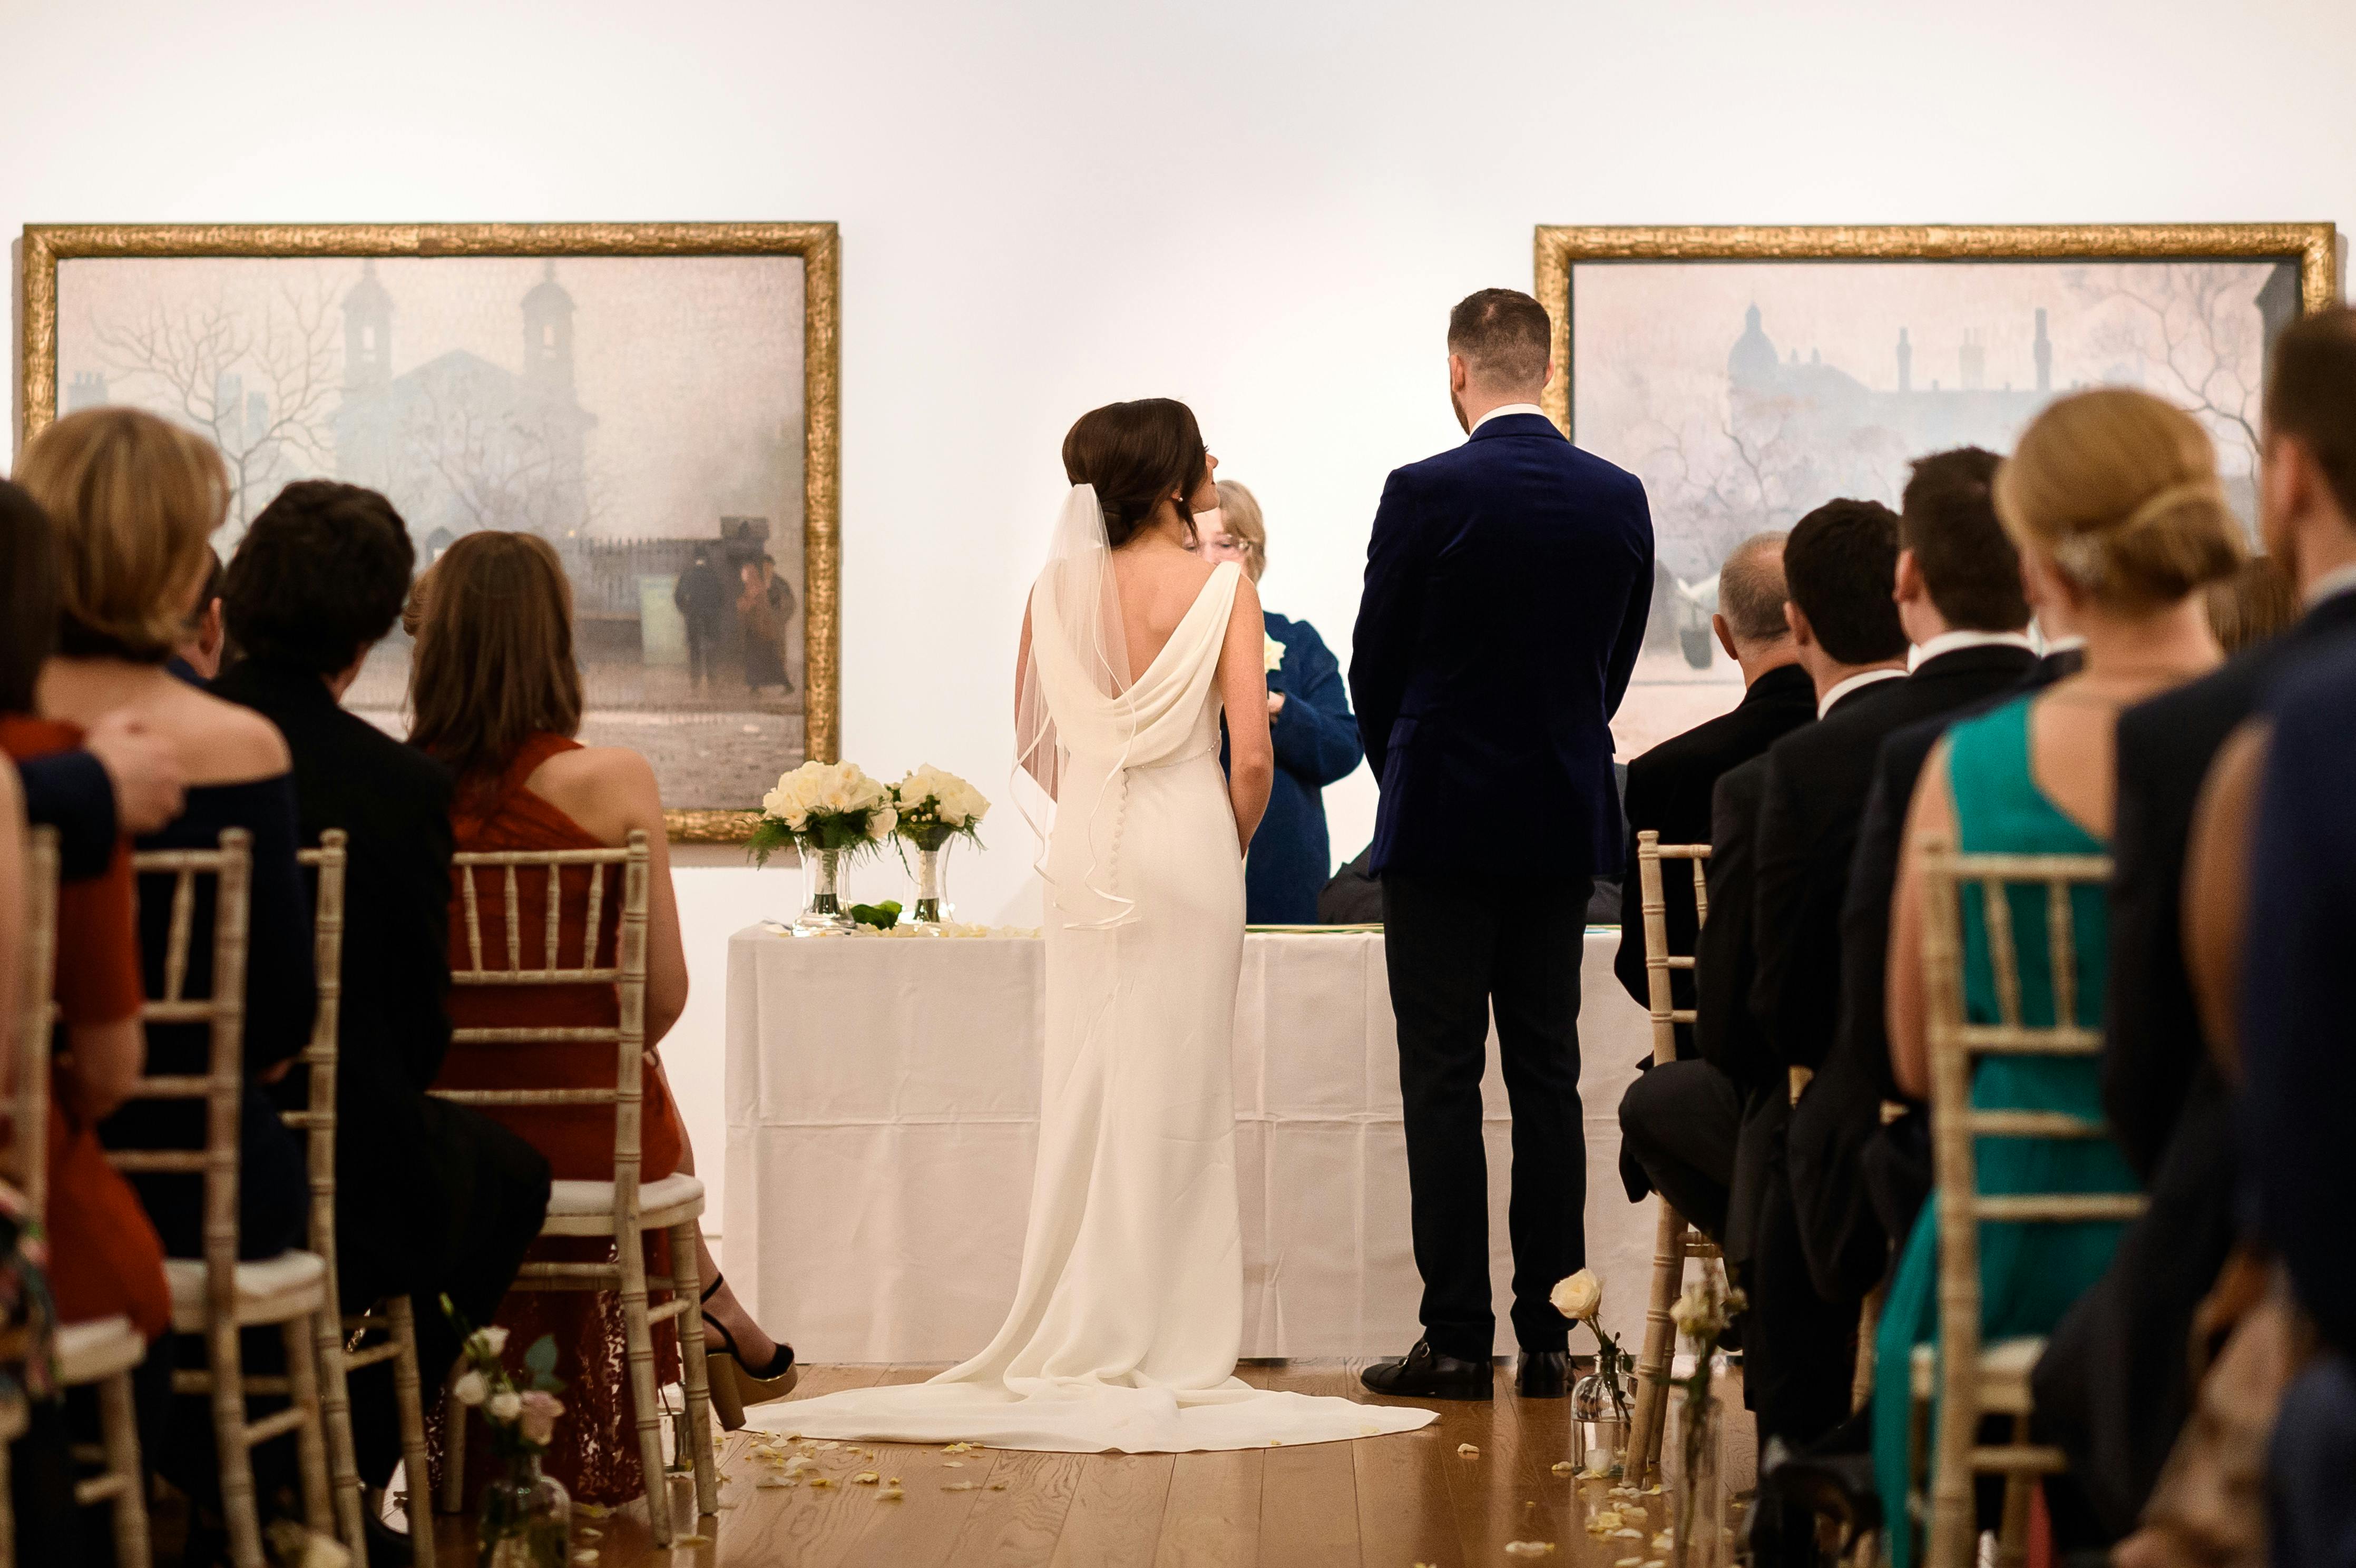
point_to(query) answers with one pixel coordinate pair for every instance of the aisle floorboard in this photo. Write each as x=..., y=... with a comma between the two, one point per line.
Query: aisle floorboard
x=1380, y=1502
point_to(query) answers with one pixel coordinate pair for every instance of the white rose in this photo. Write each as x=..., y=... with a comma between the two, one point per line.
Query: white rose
x=493, y=1339
x=1579, y=1298
x=505, y=1405
x=1271, y=652
x=879, y=825
x=470, y=1387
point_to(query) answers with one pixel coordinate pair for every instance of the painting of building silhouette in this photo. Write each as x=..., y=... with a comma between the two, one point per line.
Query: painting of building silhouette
x=1746, y=394
x=642, y=414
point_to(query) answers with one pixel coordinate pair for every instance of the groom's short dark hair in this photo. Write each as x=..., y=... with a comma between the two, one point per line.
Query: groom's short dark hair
x=1839, y=567
x=1504, y=336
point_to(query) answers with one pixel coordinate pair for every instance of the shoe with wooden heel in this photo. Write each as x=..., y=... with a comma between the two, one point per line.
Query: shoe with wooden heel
x=735, y=1385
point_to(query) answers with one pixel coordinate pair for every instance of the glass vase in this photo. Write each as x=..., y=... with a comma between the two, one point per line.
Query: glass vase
x=526, y=1520
x=1698, y=1497
x=933, y=906
x=1598, y=1425
x=825, y=911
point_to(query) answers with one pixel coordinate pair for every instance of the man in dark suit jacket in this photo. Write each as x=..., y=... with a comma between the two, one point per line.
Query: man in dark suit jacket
x=2299, y=1080
x=1669, y=787
x=1508, y=583
x=2113, y=1389
x=431, y=1198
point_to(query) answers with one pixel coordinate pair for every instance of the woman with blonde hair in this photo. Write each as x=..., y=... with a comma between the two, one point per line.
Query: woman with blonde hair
x=134, y=501
x=2114, y=503
x=496, y=697
x=1310, y=723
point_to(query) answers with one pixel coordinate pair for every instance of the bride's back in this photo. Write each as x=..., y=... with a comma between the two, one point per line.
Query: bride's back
x=1157, y=585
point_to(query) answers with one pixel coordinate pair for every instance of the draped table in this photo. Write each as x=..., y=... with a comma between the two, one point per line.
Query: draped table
x=883, y=1099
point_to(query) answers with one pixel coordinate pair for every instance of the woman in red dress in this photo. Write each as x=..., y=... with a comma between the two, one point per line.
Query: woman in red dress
x=498, y=697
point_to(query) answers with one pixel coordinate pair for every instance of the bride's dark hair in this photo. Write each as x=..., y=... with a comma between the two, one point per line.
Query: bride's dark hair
x=1136, y=454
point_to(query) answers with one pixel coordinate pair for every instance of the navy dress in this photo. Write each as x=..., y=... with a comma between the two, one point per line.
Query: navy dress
x=1316, y=741
x=280, y=996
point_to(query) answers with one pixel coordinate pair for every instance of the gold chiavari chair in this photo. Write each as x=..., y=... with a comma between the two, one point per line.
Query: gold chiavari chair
x=1970, y=1380
x=218, y=1296
x=1674, y=1241
x=341, y=1348
x=26, y=1157
x=621, y=1210
x=99, y=1354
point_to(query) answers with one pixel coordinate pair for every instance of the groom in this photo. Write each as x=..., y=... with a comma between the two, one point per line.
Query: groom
x=1506, y=587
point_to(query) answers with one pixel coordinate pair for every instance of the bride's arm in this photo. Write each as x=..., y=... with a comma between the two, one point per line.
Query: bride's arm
x=1243, y=684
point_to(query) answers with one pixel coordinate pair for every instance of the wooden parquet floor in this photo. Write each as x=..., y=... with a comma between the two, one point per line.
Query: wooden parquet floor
x=1381, y=1502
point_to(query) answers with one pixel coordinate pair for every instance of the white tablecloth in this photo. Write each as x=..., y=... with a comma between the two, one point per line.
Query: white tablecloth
x=882, y=1097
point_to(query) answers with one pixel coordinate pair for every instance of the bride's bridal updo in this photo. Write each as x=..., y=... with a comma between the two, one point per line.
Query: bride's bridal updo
x=1138, y=455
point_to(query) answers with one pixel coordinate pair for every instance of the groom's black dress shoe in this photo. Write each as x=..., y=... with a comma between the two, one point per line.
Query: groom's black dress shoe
x=1424, y=1373
x=1543, y=1374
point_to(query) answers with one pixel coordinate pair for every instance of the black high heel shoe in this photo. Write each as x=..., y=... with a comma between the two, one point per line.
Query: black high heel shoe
x=733, y=1385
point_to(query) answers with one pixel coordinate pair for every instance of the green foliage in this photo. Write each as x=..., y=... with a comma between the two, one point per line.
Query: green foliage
x=844, y=832
x=882, y=916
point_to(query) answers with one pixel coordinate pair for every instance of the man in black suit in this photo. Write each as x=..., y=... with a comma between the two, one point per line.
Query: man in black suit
x=1669, y=786
x=431, y=1198
x=1508, y=583
x=1959, y=600
x=2113, y=1389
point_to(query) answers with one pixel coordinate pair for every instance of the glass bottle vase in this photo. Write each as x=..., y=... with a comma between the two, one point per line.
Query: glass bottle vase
x=825, y=911
x=1698, y=1497
x=1598, y=1425
x=526, y=1520
x=933, y=906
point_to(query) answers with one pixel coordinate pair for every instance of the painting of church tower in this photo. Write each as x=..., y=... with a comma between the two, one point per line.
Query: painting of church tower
x=460, y=443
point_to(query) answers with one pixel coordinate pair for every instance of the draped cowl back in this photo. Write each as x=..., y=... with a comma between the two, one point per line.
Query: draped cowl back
x=1161, y=714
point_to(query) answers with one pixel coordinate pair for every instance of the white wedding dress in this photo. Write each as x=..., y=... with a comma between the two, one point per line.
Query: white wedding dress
x=1129, y=1314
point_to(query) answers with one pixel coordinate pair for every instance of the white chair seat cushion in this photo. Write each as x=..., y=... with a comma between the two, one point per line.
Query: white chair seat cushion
x=270, y=1290
x=594, y=1200
x=2005, y=1368
x=98, y=1349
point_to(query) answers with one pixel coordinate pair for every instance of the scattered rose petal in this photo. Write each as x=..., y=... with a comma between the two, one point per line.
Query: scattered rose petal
x=1529, y=1549
x=890, y=1495
x=1466, y=1451
x=958, y=1487
x=595, y=1510
x=586, y=1554
x=1657, y=1562
x=952, y=1464
x=866, y=1478
x=1565, y=1468
x=821, y=1482
x=770, y=1482
x=998, y=1486
x=589, y=1532
x=1628, y=1563
x=1630, y=1510
x=1631, y=1534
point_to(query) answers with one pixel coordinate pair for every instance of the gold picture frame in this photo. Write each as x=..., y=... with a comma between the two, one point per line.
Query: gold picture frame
x=816, y=244
x=1560, y=247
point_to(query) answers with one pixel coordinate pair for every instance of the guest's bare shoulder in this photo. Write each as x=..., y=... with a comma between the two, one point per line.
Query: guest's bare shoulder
x=219, y=742
x=609, y=790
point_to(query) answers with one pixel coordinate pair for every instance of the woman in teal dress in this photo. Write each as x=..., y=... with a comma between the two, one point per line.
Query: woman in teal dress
x=2114, y=501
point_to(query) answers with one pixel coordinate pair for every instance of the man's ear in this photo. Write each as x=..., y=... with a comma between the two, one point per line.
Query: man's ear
x=1907, y=585
x=1460, y=374
x=1797, y=619
x=1725, y=636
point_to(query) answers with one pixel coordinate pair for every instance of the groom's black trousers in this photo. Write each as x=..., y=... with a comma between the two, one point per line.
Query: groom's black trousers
x=1457, y=947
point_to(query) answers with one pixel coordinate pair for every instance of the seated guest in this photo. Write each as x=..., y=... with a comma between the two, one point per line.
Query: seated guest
x=1669, y=786
x=2255, y=603
x=1316, y=737
x=2300, y=1082
x=104, y=1260
x=2114, y=1389
x=432, y=1198
x=133, y=498
x=123, y=781
x=2114, y=503
x=1682, y=1119
x=198, y=657
x=498, y=698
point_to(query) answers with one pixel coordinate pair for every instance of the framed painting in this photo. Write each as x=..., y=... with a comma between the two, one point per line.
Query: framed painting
x=1749, y=375
x=658, y=401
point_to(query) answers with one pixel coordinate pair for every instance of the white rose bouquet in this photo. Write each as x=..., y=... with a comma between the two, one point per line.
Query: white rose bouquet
x=934, y=808
x=824, y=805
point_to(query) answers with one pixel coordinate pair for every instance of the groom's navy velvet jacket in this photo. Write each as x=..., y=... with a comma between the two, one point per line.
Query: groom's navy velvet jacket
x=1508, y=583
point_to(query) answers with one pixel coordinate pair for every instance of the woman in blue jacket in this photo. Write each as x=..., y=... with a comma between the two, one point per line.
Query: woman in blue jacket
x=1316, y=737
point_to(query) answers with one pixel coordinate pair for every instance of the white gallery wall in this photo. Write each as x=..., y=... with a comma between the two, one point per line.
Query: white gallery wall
x=1262, y=208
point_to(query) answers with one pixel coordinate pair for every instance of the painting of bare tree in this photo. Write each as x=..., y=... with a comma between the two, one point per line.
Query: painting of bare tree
x=647, y=414
x=1747, y=389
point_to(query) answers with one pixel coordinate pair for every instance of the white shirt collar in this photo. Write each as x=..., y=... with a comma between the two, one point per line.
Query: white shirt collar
x=1505, y=408
x=1922, y=653
x=1861, y=679
x=2328, y=585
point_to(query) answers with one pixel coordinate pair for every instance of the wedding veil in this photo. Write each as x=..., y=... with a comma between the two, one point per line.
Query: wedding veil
x=1076, y=644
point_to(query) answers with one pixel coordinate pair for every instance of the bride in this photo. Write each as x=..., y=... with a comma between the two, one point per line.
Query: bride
x=1128, y=1312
